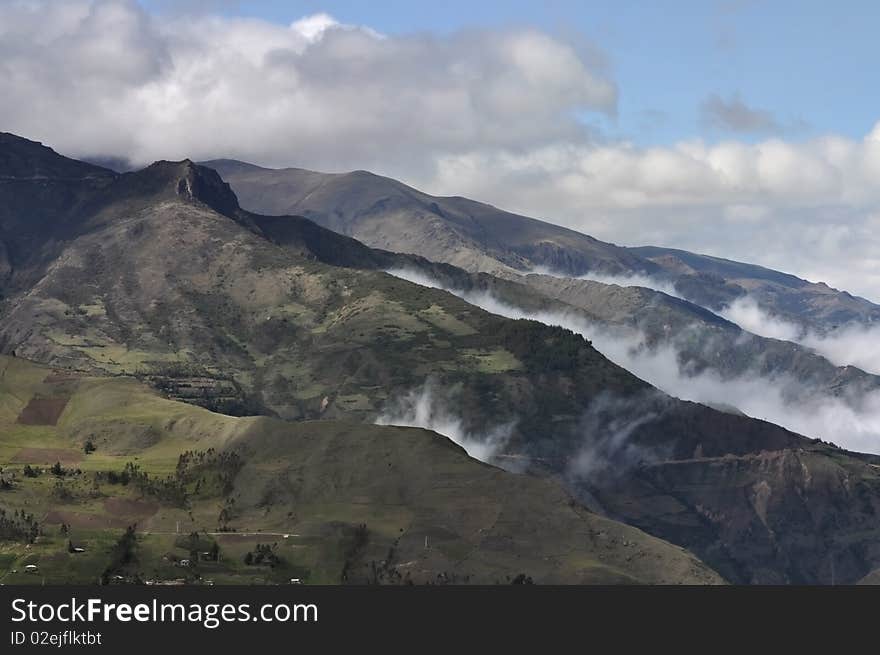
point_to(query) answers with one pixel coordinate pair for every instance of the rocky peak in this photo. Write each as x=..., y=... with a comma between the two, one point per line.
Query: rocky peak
x=183, y=179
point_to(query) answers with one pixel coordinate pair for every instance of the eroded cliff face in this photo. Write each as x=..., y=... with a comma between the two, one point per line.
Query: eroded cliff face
x=797, y=515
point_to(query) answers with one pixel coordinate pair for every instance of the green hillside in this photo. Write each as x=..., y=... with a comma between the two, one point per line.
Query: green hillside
x=328, y=501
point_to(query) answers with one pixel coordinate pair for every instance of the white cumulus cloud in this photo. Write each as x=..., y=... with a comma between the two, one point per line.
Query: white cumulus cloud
x=496, y=114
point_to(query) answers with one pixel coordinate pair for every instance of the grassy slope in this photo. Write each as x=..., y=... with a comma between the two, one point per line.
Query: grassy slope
x=314, y=481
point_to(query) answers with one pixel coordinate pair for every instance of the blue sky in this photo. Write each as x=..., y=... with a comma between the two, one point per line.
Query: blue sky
x=811, y=65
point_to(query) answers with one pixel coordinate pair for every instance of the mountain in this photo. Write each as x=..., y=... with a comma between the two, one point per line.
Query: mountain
x=385, y=213
x=649, y=321
x=715, y=282
x=339, y=502
x=160, y=274
x=39, y=191
x=705, y=342
x=657, y=312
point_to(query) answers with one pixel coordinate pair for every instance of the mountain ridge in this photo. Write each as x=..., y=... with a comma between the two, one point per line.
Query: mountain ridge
x=210, y=309
x=519, y=244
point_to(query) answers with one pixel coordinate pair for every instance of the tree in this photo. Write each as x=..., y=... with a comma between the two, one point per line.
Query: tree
x=57, y=469
x=89, y=447
x=122, y=553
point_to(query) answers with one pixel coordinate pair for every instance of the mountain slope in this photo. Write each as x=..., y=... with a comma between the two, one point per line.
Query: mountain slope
x=387, y=214
x=715, y=282
x=639, y=325
x=384, y=213
x=704, y=341
x=315, y=481
x=39, y=192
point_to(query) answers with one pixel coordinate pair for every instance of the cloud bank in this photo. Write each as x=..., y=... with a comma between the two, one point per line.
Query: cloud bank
x=501, y=115
x=848, y=345
x=104, y=77
x=630, y=280
x=848, y=422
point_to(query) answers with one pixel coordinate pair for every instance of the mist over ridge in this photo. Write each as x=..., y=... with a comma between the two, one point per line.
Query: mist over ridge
x=854, y=424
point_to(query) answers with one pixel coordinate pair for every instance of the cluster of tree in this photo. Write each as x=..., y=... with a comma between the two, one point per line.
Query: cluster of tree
x=209, y=468
x=32, y=471
x=545, y=349
x=169, y=489
x=129, y=472
x=360, y=537
x=6, y=481
x=225, y=515
x=122, y=554
x=385, y=572
x=222, y=394
x=201, y=548
x=263, y=554
x=59, y=471
x=18, y=526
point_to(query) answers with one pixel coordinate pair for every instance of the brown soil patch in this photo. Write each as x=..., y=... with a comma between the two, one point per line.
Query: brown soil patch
x=47, y=456
x=56, y=377
x=130, y=509
x=83, y=520
x=42, y=411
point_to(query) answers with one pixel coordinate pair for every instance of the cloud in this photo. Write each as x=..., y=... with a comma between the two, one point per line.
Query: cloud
x=498, y=115
x=432, y=408
x=852, y=344
x=746, y=313
x=606, y=426
x=852, y=423
x=856, y=345
x=632, y=280
x=810, y=208
x=733, y=115
x=104, y=77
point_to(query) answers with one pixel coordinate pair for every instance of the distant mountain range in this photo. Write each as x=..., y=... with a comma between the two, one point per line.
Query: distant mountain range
x=384, y=213
x=160, y=274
